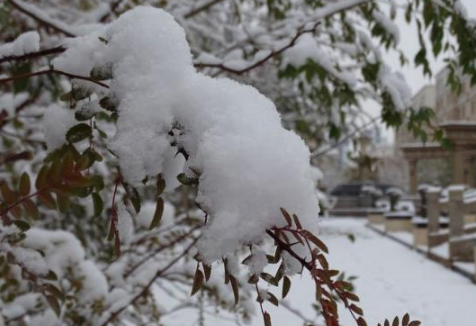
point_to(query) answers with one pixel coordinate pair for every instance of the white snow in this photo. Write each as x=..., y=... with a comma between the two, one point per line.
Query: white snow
x=394, y=83
x=125, y=226
x=249, y=165
x=23, y=44
x=306, y=48
x=56, y=122
x=388, y=24
x=391, y=280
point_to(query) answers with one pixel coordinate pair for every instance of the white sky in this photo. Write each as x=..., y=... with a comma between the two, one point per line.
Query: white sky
x=409, y=44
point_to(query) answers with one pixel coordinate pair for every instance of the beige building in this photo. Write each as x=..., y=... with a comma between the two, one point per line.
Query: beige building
x=456, y=116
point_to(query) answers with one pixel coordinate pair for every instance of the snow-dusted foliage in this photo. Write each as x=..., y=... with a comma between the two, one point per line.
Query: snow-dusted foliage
x=232, y=134
x=140, y=148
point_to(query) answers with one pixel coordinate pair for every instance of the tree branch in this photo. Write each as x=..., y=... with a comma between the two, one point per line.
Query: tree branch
x=149, y=284
x=270, y=56
x=113, y=6
x=52, y=71
x=33, y=55
x=41, y=20
x=343, y=140
x=201, y=8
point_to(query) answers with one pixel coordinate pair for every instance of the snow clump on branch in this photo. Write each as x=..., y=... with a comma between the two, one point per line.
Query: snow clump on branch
x=247, y=164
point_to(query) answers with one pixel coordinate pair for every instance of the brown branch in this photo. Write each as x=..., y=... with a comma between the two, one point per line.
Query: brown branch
x=270, y=56
x=149, y=284
x=52, y=71
x=198, y=10
x=39, y=19
x=311, y=267
x=33, y=55
x=5, y=211
x=159, y=250
x=114, y=6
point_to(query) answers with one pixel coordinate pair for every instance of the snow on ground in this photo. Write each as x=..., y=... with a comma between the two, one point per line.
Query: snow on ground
x=392, y=280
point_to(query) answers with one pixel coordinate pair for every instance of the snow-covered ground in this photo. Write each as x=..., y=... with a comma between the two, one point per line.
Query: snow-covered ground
x=392, y=280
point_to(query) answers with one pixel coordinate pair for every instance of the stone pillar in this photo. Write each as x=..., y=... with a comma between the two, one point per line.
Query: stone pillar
x=413, y=176
x=469, y=170
x=458, y=167
x=456, y=212
x=433, y=209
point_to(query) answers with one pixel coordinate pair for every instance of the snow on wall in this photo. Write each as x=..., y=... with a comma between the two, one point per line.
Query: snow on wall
x=249, y=165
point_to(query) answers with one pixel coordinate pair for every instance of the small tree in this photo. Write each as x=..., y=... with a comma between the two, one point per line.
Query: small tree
x=137, y=121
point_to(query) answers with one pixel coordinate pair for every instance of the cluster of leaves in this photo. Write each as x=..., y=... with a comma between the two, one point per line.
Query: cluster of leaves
x=60, y=178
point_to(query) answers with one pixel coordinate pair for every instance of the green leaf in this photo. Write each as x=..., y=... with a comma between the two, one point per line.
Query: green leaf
x=160, y=185
x=361, y=322
x=78, y=133
x=208, y=271
x=159, y=210
x=319, y=244
x=396, y=321
x=234, y=286
x=47, y=199
x=415, y=323
x=63, y=202
x=54, y=304
x=30, y=208
x=101, y=73
x=8, y=195
x=267, y=319
x=286, y=216
x=84, y=114
x=197, y=282
x=186, y=180
x=54, y=291
x=97, y=203
x=356, y=309
x=286, y=286
x=51, y=276
x=25, y=185
x=108, y=104
x=22, y=225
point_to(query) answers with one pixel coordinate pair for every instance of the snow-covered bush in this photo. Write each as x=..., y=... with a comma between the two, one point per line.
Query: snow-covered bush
x=181, y=170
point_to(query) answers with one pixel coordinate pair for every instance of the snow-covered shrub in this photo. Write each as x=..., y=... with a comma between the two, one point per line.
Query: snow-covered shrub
x=175, y=168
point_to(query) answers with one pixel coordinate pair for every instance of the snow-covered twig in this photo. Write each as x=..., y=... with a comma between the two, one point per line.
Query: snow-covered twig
x=52, y=71
x=39, y=17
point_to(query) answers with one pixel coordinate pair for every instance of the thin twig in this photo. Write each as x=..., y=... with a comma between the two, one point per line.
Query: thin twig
x=52, y=71
x=270, y=56
x=343, y=140
x=203, y=7
x=149, y=284
x=33, y=55
x=40, y=20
